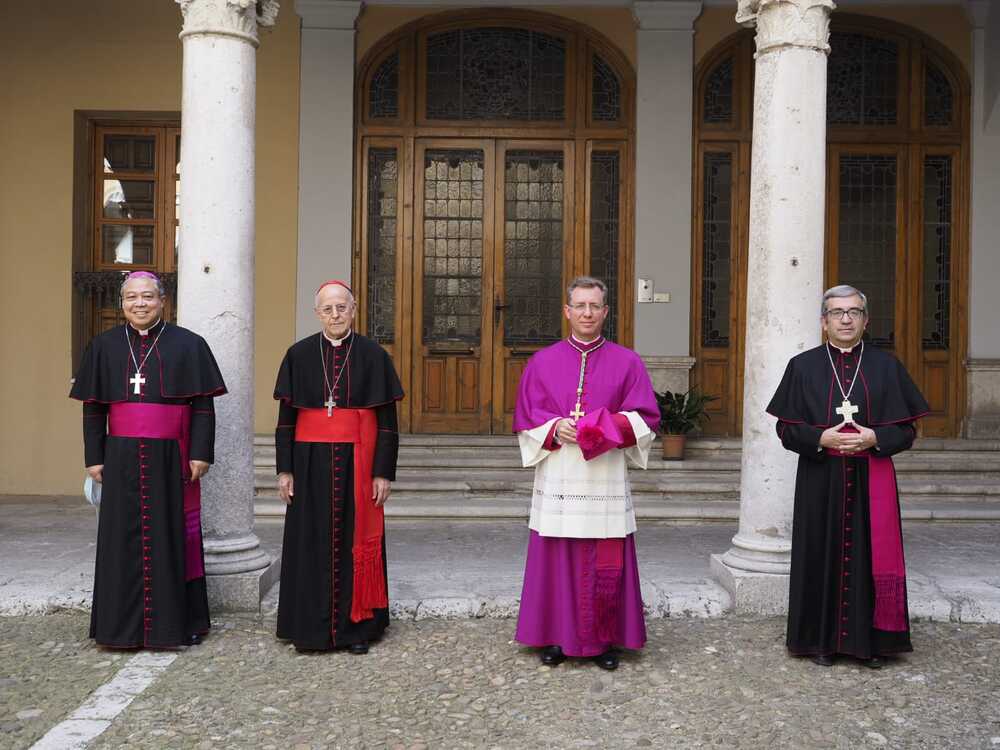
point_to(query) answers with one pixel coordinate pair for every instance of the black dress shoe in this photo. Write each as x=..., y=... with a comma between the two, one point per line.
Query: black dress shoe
x=824, y=660
x=358, y=649
x=875, y=662
x=195, y=640
x=552, y=656
x=608, y=660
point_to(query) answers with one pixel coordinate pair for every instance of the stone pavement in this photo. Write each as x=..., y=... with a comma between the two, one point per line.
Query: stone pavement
x=435, y=683
x=473, y=568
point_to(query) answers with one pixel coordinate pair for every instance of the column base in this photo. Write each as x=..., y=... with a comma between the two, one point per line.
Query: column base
x=242, y=592
x=752, y=592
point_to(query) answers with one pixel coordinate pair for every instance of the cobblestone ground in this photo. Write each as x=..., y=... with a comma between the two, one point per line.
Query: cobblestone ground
x=464, y=684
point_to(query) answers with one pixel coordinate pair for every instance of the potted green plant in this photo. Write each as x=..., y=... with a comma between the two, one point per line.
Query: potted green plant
x=679, y=414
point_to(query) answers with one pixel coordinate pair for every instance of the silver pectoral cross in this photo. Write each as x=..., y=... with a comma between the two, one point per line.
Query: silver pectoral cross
x=136, y=381
x=330, y=405
x=847, y=410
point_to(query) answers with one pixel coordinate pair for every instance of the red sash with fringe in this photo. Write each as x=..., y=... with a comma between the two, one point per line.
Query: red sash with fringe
x=167, y=422
x=356, y=426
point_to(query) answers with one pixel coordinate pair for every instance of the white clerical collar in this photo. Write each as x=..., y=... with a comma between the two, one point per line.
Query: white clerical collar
x=144, y=331
x=841, y=349
x=337, y=342
x=585, y=343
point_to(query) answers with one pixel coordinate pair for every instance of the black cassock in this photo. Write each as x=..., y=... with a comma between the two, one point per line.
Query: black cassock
x=141, y=595
x=831, y=590
x=317, y=570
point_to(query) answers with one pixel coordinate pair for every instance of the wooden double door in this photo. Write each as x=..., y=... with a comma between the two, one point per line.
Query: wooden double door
x=895, y=228
x=493, y=249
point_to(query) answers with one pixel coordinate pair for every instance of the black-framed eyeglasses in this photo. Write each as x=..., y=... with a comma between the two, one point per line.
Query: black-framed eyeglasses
x=854, y=313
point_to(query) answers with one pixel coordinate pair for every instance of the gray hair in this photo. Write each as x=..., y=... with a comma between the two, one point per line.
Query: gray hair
x=160, y=288
x=586, y=282
x=840, y=291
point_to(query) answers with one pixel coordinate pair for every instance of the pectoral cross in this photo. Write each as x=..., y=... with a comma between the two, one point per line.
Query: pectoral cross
x=137, y=380
x=330, y=404
x=847, y=410
x=577, y=412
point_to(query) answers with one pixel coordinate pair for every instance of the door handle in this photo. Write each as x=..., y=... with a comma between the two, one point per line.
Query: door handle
x=498, y=308
x=451, y=351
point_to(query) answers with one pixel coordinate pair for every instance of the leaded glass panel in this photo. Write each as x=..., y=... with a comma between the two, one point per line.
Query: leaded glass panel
x=383, y=214
x=533, y=246
x=383, y=96
x=605, y=227
x=867, y=234
x=606, y=92
x=496, y=74
x=453, y=245
x=937, y=252
x=716, y=248
x=129, y=153
x=938, y=97
x=862, y=80
x=718, y=104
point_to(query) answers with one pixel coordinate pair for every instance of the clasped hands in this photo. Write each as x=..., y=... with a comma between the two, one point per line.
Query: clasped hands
x=566, y=431
x=198, y=470
x=848, y=442
x=286, y=488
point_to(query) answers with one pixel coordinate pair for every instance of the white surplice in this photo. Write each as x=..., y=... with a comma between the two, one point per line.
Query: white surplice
x=583, y=499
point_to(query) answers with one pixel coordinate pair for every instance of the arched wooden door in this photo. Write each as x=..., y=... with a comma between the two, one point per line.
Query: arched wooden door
x=483, y=190
x=896, y=219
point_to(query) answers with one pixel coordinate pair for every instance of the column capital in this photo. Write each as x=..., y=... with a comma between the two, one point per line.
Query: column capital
x=666, y=15
x=788, y=23
x=328, y=14
x=235, y=18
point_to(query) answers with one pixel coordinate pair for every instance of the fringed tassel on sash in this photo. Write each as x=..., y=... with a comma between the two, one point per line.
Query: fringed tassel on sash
x=888, y=567
x=608, y=588
x=369, y=580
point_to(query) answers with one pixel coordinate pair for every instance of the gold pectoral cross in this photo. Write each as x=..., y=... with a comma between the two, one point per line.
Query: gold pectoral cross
x=577, y=412
x=578, y=409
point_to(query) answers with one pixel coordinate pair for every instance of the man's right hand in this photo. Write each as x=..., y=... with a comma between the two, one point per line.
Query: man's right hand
x=286, y=487
x=845, y=442
x=566, y=431
x=96, y=472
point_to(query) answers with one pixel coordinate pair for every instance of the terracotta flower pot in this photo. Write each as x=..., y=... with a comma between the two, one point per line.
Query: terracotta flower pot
x=673, y=447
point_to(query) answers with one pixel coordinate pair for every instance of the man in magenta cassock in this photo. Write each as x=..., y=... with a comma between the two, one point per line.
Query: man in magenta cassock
x=149, y=436
x=585, y=409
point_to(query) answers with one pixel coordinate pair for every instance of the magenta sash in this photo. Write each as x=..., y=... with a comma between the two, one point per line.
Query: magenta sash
x=888, y=565
x=167, y=422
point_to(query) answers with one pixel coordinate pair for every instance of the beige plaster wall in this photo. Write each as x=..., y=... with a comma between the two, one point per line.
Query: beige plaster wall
x=947, y=24
x=123, y=55
x=616, y=24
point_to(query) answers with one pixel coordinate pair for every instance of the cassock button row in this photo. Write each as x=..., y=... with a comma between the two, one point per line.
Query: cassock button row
x=844, y=633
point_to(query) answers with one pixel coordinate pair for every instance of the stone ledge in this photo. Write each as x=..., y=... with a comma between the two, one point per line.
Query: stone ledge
x=752, y=593
x=242, y=592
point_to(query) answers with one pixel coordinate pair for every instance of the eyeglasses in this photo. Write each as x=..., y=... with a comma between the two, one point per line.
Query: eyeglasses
x=327, y=311
x=854, y=313
x=584, y=306
x=146, y=297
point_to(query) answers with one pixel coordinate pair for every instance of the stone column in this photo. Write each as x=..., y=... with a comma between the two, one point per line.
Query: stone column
x=785, y=273
x=326, y=150
x=983, y=408
x=216, y=271
x=664, y=120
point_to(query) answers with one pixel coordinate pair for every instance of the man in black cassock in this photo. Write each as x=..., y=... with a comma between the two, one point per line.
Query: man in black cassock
x=149, y=436
x=337, y=441
x=845, y=407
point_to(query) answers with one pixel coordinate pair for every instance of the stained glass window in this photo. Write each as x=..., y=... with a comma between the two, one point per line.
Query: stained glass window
x=937, y=252
x=383, y=95
x=453, y=245
x=938, y=97
x=867, y=234
x=606, y=92
x=496, y=74
x=383, y=213
x=716, y=248
x=862, y=80
x=605, y=227
x=718, y=104
x=533, y=246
